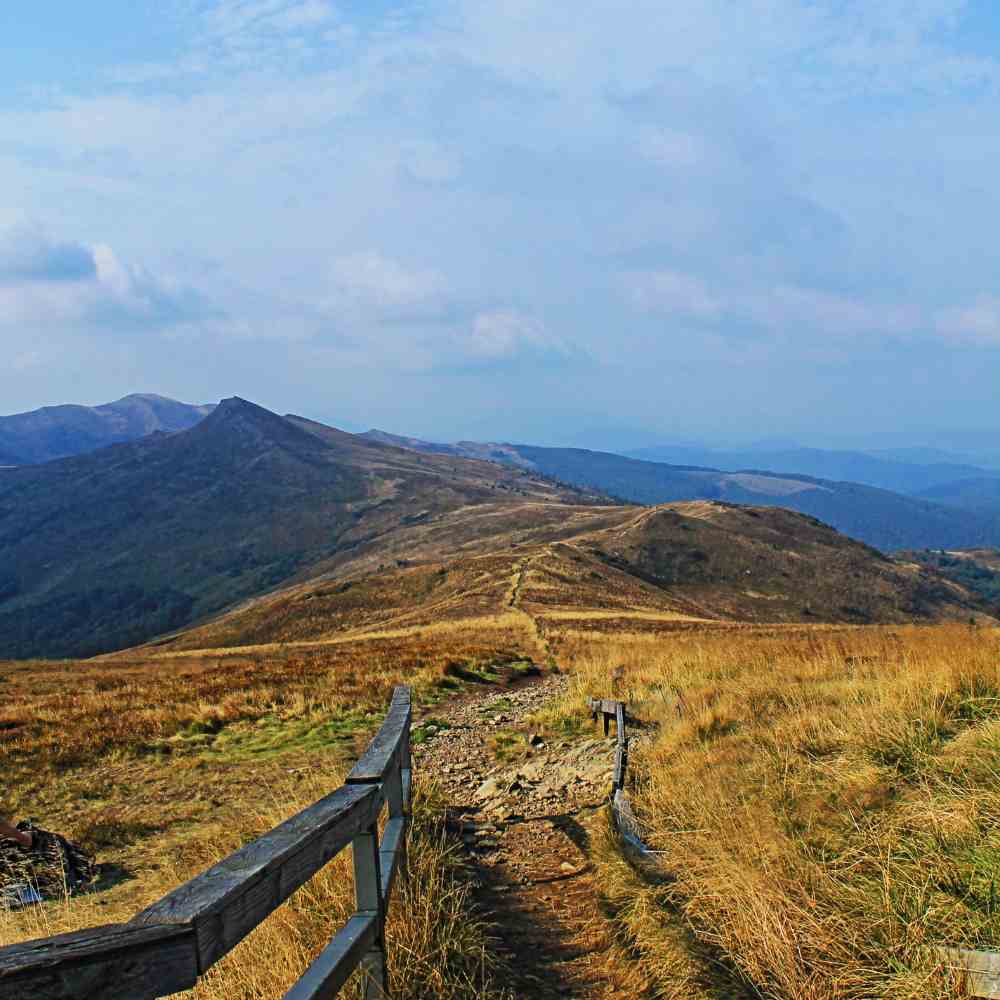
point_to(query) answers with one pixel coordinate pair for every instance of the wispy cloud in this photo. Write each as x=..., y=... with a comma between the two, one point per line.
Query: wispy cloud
x=477, y=190
x=26, y=254
x=45, y=282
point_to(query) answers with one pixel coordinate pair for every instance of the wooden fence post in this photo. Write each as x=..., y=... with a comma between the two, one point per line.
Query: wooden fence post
x=368, y=895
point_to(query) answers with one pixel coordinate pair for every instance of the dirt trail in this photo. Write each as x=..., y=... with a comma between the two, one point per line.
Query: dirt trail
x=514, y=601
x=527, y=827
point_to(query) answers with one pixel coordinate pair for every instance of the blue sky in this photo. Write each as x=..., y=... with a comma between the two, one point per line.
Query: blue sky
x=709, y=219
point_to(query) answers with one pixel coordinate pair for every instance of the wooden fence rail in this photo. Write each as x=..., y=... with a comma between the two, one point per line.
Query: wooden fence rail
x=166, y=947
x=978, y=972
x=621, y=808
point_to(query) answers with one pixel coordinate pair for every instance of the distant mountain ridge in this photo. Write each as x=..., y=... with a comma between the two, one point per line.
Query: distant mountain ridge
x=978, y=494
x=63, y=431
x=841, y=466
x=109, y=548
x=140, y=539
x=884, y=519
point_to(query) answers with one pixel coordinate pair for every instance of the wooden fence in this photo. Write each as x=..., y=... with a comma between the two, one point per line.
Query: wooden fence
x=166, y=947
x=621, y=808
x=977, y=972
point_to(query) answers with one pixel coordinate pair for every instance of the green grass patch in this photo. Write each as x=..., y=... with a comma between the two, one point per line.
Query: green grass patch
x=270, y=736
x=420, y=734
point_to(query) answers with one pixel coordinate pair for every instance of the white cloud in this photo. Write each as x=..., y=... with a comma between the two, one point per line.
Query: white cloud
x=795, y=309
x=68, y=285
x=978, y=322
x=504, y=337
x=379, y=283
x=672, y=148
x=673, y=292
x=27, y=254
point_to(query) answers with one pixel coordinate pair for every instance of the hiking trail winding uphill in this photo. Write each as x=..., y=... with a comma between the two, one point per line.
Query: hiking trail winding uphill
x=527, y=828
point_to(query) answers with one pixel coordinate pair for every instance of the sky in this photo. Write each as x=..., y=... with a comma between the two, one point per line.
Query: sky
x=564, y=223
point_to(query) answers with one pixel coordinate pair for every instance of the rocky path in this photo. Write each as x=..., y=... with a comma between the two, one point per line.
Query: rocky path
x=523, y=807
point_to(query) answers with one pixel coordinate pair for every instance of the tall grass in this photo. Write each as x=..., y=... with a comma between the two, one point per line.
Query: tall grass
x=436, y=939
x=827, y=805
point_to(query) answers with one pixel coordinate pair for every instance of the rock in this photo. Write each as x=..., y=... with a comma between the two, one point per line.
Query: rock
x=488, y=789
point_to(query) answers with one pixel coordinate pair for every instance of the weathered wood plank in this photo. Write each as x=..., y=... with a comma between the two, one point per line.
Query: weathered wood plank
x=407, y=776
x=368, y=897
x=620, y=720
x=626, y=823
x=121, y=961
x=229, y=900
x=384, y=750
x=391, y=852
x=980, y=969
x=337, y=961
x=621, y=765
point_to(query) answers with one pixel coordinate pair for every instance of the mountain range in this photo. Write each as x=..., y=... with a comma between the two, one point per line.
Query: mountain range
x=61, y=431
x=908, y=476
x=979, y=494
x=114, y=547
x=879, y=517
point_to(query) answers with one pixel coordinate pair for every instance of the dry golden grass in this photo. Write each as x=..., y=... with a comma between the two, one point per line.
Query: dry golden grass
x=436, y=940
x=827, y=803
x=164, y=765
x=76, y=713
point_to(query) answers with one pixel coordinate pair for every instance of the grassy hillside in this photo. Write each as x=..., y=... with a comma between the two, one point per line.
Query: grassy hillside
x=105, y=550
x=693, y=565
x=824, y=806
x=162, y=767
x=900, y=476
x=60, y=431
x=977, y=570
x=878, y=517
x=976, y=493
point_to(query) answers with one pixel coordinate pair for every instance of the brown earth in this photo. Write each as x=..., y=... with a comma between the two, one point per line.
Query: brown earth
x=658, y=568
x=527, y=810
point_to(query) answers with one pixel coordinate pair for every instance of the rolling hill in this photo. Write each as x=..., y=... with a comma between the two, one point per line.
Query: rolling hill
x=978, y=494
x=878, y=517
x=976, y=570
x=112, y=548
x=61, y=431
x=841, y=466
x=663, y=569
x=106, y=549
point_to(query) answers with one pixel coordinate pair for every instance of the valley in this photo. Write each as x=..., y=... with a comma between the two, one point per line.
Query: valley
x=799, y=696
x=111, y=548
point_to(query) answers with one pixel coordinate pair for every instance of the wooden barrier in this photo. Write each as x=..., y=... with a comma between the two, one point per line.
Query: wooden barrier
x=978, y=971
x=624, y=819
x=166, y=947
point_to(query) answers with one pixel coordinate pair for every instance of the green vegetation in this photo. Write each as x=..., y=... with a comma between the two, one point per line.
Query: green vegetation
x=881, y=518
x=979, y=576
x=824, y=808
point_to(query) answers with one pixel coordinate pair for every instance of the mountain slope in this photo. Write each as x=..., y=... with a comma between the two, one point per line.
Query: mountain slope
x=877, y=517
x=840, y=466
x=592, y=568
x=978, y=494
x=977, y=570
x=110, y=548
x=61, y=431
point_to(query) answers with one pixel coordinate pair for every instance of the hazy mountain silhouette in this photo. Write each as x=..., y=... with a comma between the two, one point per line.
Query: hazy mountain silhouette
x=879, y=517
x=107, y=549
x=61, y=431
